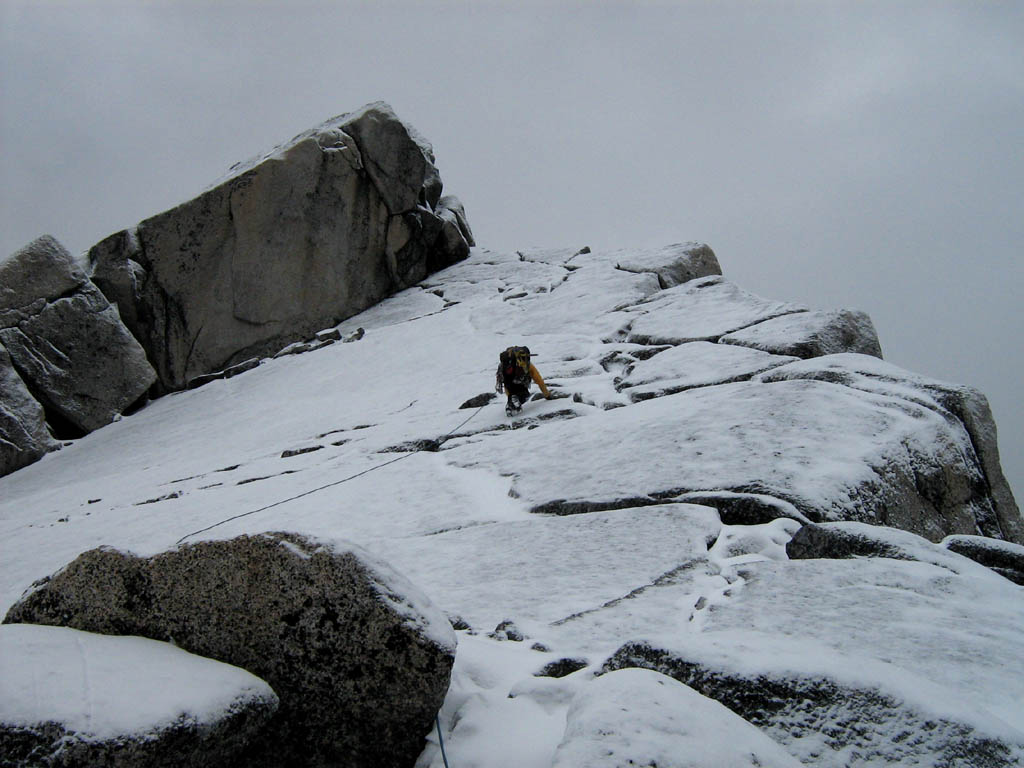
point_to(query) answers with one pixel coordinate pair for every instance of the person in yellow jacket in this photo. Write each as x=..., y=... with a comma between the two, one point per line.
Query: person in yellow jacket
x=513, y=378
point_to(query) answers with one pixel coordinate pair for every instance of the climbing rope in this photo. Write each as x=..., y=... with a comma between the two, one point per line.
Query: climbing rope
x=329, y=485
x=440, y=739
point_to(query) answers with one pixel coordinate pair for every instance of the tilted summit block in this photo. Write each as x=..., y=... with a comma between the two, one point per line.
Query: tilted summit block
x=300, y=239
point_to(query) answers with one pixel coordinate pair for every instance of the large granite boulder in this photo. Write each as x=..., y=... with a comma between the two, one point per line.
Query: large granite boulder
x=360, y=659
x=295, y=241
x=66, y=341
x=72, y=698
x=24, y=437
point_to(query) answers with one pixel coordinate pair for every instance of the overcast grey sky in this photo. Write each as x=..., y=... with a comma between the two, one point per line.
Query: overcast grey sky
x=863, y=155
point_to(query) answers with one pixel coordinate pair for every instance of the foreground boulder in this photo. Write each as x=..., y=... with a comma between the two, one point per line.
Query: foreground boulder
x=139, y=702
x=66, y=341
x=314, y=232
x=360, y=659
x=24, y=437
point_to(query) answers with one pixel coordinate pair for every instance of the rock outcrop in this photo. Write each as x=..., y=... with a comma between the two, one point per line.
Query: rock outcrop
x=359, y=658
x=316, y=231
x=71, y=698
x=811, y=334
x=66, y=341
x=24, y=437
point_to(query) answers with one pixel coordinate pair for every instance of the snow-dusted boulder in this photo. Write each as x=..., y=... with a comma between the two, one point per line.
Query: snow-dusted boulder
x=811, y=334
x=315, y=231
x=359, y=657
x=997, y=512
x=65, y=339
x=673, y=264
x=454, y=206
x=644, y=718
x=835, y=720
x=72, y=698
x=1002, y=557
x=24, y=437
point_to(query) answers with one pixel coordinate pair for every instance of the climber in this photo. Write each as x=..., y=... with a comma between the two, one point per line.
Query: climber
x=513, y=378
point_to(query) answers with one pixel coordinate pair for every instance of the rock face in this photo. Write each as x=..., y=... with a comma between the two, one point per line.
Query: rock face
x=139, y=703
x=360, y=660
x=318, y=230
x=24, y=437
x=66, y=341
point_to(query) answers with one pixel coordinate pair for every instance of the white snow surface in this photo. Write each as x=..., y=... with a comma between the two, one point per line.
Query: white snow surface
x=101, y=687
x=457, y=522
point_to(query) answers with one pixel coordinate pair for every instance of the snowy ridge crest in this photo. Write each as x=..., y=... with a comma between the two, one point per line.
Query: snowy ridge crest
x=637, y=535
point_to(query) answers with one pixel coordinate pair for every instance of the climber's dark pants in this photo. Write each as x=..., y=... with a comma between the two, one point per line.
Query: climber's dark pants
x=519, y=391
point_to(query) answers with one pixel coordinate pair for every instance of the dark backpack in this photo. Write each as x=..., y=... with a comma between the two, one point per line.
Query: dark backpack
x=514, y=363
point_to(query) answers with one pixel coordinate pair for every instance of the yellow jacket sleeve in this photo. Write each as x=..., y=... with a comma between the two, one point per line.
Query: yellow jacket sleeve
x=535, y=375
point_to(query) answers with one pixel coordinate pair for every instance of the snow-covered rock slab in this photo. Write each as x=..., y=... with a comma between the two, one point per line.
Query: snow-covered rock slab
x=696, y=364
x=701, y=310
x=811, y=334
x=75, y=698
x=578, y=563
x=360, y=658
x=1003, y=557
x=777, y=440
x=881, y=622
x=953, y=401
x=832, y=722
x=644, y=718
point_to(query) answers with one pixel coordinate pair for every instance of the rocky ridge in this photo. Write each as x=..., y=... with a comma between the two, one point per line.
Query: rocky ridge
x=731, y=508
x=286, y=245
